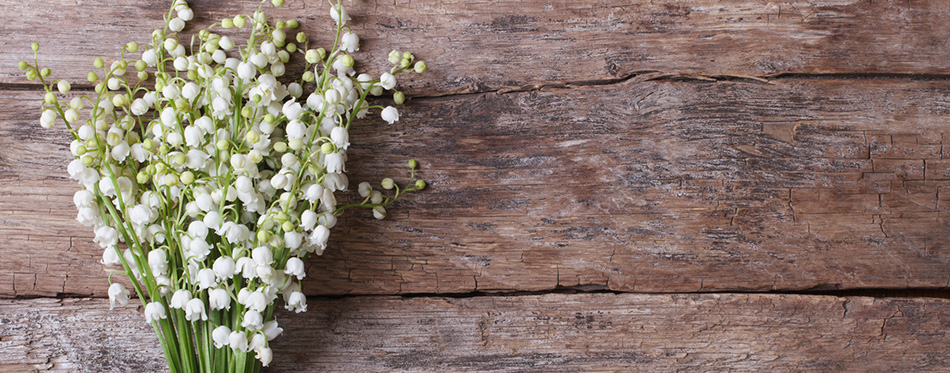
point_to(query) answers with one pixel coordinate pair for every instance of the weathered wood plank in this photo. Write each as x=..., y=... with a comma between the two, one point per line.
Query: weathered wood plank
x=641, y=186
x=579, y=332
x=475, y=46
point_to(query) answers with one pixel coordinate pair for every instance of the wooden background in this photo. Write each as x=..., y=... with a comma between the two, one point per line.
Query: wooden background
x=614, y=185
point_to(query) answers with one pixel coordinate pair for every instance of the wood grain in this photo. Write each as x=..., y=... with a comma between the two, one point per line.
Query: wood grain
x=479, y=46
x=579, y=332
x=645, y=186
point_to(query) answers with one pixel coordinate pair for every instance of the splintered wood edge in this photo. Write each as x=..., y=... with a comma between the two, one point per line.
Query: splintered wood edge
x=522, y=333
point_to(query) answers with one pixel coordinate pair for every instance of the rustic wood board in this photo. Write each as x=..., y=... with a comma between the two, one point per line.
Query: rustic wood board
x=646, y=146
x=478, y=46
x=646, y=186
x=579, y=332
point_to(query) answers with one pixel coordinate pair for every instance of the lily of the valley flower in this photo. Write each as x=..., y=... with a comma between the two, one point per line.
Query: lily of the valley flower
x=154, y=312
x=390, y=114
x=207, y=180
x=118, y=294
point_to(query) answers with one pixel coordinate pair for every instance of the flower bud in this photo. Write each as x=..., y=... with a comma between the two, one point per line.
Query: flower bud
x=421, y=67
x=399, y=98
x=240, y=21
x=387, y=81
x=347, y=60
x=252, y=137
x=420, y=184
x=185, y=13
x=170, y=180
x=331, y=97
x=312, y=56
x=379, y=212
x=63, y=86
x=364, y=189
x=187, y=177
x=71, y=116
x=176, y=24
x=49, y=117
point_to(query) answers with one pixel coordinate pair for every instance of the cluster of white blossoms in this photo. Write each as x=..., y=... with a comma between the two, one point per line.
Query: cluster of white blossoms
x=211, y=189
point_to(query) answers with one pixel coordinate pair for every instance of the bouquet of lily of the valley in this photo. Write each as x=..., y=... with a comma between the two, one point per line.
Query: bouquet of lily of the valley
x=210, y=187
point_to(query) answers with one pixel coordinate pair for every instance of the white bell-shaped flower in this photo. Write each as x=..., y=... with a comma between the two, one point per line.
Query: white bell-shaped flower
x=158, y=262
x=265, y=355
x=180, y=298
x=206, y=278
x=338, y=13
x=154, y=311
x=340, y=137
x=238, y=341
x=247, y=268
x=218, y=299
x=390, y=114
x=252, y=320
x=223, y=268
x=308, y=219
x=272, y=330
x=350, y=42
x=256, y=301
x=387, y=81
x=106, y=236
x=335, y=162
x=295, y=267
x=195, y=310
x=221, y=336
x=297, y=302
x=118, y=294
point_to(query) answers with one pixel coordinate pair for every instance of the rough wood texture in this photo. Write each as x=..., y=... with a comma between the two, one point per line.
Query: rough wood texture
x=477, y=46
x=580, y=332
x=639, y=186
x=631, y=146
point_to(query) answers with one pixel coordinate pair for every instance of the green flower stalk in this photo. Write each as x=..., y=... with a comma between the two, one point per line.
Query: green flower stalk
x=210, y=188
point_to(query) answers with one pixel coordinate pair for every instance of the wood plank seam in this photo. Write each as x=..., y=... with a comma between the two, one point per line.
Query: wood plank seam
x=641, y=75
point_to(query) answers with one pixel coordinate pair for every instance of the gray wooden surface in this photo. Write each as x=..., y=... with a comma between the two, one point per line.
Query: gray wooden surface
x=689, y=149
x=572, y=332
